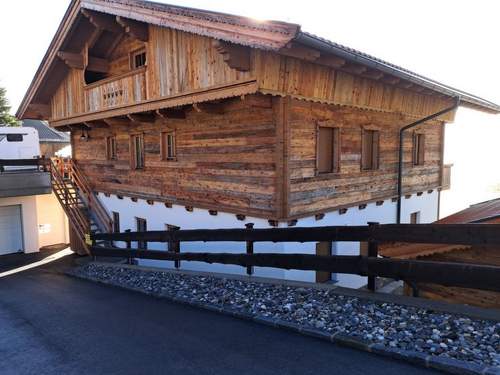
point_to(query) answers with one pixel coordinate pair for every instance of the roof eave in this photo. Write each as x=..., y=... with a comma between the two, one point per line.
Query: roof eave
x=466, y=99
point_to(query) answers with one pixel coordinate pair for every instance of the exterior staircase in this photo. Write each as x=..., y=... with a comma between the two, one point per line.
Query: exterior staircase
x=85, y=212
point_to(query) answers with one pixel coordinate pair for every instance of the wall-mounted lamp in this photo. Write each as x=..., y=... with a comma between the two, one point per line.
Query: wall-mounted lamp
x=85, y=135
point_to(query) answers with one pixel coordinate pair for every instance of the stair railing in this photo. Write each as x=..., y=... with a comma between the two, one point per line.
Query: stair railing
x=69, y=203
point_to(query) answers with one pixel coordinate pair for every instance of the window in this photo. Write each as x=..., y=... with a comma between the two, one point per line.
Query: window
x=111, y=148
x=370, y=149
x=116, y=222
x=141, y=226
x=137, y=145
x=168, y=145
x=415, y=218
x=328, y=150
x=14, y=137
x=418, y=149
x=138, y=59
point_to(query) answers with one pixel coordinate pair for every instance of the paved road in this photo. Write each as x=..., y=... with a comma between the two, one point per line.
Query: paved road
x=54, y=324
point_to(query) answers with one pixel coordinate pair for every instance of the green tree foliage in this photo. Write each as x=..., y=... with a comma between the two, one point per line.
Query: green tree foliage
x=6, y=119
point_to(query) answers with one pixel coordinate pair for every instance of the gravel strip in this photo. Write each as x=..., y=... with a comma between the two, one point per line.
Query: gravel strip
x=390, y=325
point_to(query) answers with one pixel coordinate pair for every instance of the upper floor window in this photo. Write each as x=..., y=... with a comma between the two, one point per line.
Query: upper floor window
x=137, y=146
x=418, y=149
x=168, y=145
x=138, y=59
x=111, y=148
x=370, y=149
x=328, y=150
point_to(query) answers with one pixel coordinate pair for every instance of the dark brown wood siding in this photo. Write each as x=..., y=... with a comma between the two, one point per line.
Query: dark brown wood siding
x=223, y=161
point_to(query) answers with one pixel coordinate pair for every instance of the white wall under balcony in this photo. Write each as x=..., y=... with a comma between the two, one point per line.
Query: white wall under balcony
x=158, y=216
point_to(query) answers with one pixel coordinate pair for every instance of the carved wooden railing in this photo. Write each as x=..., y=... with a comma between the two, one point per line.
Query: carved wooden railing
x=117, y=91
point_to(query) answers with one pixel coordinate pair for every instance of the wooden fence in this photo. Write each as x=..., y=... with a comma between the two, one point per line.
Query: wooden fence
x=411, y=271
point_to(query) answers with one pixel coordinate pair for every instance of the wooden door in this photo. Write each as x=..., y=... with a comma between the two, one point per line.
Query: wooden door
x=323, y=248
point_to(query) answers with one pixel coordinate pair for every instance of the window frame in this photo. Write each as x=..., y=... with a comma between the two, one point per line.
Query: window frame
x=134, y=155
x=418, y=150
x=164, y=146
x=116, y=221
x=111, y=153
x=374, y=149
x=134, y=54
x=143, y=245
x=336, y=150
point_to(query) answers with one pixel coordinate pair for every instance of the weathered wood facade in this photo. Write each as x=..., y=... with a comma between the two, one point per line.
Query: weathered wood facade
x=245, y=101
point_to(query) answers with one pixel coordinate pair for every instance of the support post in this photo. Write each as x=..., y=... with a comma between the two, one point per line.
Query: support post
x=175, y=246
x=249, y=248
x=372, y=253
x=129, y=246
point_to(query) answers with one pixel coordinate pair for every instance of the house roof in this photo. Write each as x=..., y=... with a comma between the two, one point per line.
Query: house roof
x=269, y=35
x=477, y=213
x=46, y=133
x=484, y=212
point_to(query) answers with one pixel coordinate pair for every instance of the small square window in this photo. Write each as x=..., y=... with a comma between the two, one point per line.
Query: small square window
x=138, y=59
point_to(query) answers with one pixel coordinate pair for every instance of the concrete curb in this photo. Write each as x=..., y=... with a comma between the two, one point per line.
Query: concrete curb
x=441, y=363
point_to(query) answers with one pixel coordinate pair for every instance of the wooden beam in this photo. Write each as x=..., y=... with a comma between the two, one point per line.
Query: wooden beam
x=300, y=51
x=102, y=21
x=38, y=111
x=97, y=64
x=391, y=80
x=331, y=61
x=135, y=29
x=405, y=84
x=373, y=74
x=354, y=68
x=171, y=113
x=236, y=56
x=142, y=117
x=117, y=121
x=212, y=108
x=97, y=124
x=72, y=60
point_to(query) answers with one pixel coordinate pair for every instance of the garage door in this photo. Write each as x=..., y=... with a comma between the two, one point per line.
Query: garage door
x=11, y=232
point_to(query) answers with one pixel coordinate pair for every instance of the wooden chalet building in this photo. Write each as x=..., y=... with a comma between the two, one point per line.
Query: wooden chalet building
x=195, y=119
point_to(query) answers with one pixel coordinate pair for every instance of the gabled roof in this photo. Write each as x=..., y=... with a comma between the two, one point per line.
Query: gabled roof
x=46, y=133
x=269, y=35
x=477, y=213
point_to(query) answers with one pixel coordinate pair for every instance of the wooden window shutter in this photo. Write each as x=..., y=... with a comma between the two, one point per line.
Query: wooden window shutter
x=375, y=149
x=328, y=150
x=336, y=150
x=421, y=149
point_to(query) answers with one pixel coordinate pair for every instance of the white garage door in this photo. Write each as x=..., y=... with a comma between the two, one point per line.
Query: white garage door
x=11, y=232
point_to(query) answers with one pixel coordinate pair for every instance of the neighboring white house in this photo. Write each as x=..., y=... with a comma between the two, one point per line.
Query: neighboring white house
x=30, y=215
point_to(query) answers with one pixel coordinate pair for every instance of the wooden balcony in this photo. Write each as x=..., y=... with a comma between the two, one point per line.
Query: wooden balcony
x=126, y=89
x=446, y=177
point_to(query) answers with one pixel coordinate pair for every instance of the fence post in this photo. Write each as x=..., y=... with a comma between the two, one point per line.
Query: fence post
x=372, y=253
x=249, y=248
x=129, y=246
x=175, y=246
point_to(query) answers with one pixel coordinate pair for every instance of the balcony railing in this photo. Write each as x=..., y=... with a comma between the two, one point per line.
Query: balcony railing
x=129, y=88
x=446, y=177
x=23, y=177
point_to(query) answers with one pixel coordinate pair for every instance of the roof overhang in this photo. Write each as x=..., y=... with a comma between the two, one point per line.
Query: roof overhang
x=268, y=35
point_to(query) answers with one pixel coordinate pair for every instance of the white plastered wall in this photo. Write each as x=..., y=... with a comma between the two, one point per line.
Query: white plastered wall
x=52, y=221
x=158, y=215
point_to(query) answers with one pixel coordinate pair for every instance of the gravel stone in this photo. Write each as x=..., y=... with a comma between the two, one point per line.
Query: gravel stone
x=397, y=327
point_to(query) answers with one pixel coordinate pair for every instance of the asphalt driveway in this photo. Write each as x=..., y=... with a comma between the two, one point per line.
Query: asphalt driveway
x=51, y=323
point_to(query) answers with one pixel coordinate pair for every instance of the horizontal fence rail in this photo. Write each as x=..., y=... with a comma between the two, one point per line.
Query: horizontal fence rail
x=411, y=271
x=456, y=234
x=448, y=274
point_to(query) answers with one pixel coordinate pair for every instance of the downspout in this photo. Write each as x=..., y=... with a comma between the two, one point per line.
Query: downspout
x=400, y=160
